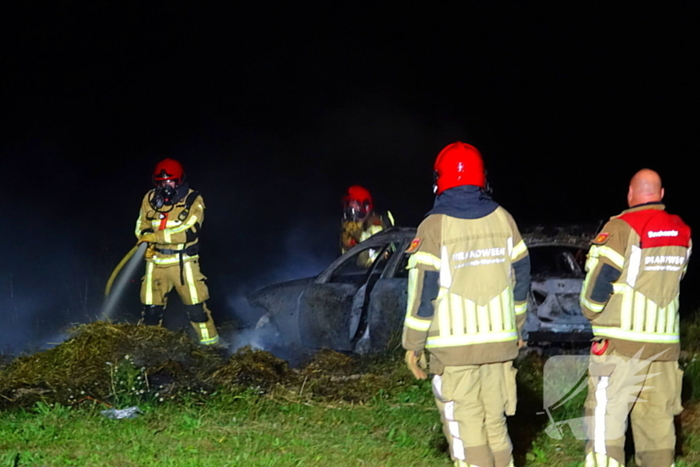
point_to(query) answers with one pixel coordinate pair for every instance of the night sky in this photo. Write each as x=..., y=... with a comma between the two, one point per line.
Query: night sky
x=274, y=110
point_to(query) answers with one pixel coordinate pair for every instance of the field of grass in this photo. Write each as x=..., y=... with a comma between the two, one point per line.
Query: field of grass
x=225, y=430
x=372, y=413
x=249, y=428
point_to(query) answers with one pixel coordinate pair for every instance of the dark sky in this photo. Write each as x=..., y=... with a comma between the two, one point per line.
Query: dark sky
x=274, y=110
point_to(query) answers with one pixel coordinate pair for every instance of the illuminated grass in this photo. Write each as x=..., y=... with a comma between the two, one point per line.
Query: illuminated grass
x=334, y=411
x=243, y=430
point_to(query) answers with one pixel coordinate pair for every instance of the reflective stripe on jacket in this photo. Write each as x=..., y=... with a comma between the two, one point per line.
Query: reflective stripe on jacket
x=461, y=300
x=174, y=230
x=632, y=286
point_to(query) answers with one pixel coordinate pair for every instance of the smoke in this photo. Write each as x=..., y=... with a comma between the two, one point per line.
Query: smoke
x=273, y=211
x=306, y=250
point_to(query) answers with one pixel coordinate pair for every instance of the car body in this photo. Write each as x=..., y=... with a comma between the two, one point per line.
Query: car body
x=557, y=260
x=355, y=309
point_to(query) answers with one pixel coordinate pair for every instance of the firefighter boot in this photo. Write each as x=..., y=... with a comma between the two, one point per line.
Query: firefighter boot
x=203, y=324
x=152, y=315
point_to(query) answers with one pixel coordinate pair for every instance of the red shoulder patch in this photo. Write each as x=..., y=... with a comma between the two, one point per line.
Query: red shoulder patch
x=413, y=247
x=657, y=228
x=602, y=237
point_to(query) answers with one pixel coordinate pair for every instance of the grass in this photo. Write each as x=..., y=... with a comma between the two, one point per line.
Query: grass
x=247, y=429
x=253, y=410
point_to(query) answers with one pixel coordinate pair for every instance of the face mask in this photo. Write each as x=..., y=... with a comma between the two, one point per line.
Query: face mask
x=164, y=194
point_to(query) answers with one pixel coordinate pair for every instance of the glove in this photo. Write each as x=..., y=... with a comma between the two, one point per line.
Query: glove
x=413, y=358
x=149, y=237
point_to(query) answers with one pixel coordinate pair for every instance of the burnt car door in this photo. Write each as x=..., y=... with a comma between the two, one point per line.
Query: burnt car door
x=334, y=310
x=386, y=308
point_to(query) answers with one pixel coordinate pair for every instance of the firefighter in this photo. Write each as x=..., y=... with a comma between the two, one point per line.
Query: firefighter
x=170, y=220
x=361, y=221
x=631, y=296
x=469, y=277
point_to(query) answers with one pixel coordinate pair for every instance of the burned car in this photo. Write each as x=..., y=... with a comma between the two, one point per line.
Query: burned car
x=348, y=307
x=352, y=308
x=557, y=260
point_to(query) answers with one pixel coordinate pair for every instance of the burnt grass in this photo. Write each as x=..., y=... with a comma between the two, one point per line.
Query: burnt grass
x=100, y=358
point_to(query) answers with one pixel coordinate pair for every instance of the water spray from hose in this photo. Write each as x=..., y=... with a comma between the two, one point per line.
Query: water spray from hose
x=115, y=289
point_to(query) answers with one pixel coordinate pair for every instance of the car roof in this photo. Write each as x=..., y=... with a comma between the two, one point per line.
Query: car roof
x=574, y=235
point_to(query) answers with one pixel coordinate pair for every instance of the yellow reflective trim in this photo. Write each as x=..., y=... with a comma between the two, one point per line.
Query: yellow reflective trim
x=496, y=317
x=189, y=277
x=137, y=229
x=655, y=337
x=672, y=315
x=607, y=252
x=596, y=308
x=203, y=332
x=626, y=307
x=185, y=225
x=520, y=309
x=443, y=314
x=412, y=285
x=660, y=320
x=391, y=218
x=457, y=315
x=650, y=318
x=639, y=307
x=417, y=324
x=210, y=340
x=171, y=259
x=481, y=338
x=482, y=313
x=166, y=236
x=149, y=284
x=518, y=250
x=471, y=317
x=375, y=229
x=424, y=258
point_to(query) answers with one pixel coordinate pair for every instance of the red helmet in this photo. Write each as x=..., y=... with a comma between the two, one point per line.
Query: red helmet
x=357, y=203
x=168, y=169
x=458, y=164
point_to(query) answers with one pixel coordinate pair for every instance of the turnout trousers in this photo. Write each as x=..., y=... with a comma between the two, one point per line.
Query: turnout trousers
x=473, y=401
x=190, y=286
x=647, y=391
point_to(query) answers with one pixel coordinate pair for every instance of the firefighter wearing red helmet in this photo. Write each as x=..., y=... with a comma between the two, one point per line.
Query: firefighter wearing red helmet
x=170, y=220
x=469, y=277
x=360, y=220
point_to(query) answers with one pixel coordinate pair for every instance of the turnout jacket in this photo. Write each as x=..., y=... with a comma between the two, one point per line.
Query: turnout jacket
x=176, y=228
x=354, y=232
x=469, y=277
x=632, y=286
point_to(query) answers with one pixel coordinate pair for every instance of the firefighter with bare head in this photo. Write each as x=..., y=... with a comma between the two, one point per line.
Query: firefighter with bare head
x=631, y=296
x=170, y=220
x=469, y=277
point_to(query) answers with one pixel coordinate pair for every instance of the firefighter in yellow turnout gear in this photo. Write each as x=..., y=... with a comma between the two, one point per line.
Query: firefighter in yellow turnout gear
x=469, y=276
x=361, y=221
x=170, y=219
x=631, y=295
